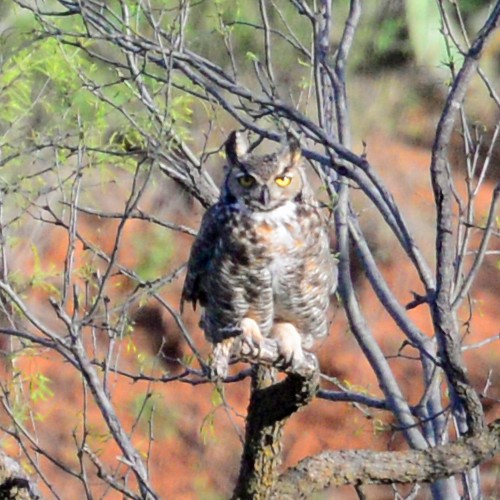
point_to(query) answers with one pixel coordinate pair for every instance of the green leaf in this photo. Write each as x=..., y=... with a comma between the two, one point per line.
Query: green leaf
x=251, y=56
x=217, y=396
x=207, y=428
x=39, y=388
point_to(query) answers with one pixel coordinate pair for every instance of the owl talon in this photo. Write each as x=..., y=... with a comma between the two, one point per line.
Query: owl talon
x=248, y=348
x=251, y=338
x=289, y=344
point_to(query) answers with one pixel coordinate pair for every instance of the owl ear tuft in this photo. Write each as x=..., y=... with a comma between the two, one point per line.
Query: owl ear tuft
x=236, y=147
x=291, y=150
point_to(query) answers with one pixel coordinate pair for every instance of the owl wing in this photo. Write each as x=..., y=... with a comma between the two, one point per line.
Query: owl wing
x=201, y=253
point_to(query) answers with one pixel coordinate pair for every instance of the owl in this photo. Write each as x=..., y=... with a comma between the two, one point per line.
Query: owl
x=261, y=265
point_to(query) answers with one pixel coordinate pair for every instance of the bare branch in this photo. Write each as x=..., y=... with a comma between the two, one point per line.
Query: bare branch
x=483, y=247
x=444, y=323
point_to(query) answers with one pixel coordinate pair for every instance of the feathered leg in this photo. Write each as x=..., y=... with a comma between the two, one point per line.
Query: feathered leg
x=250, y=337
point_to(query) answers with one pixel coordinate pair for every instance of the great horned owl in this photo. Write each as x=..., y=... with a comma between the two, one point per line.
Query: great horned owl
x=261, y=264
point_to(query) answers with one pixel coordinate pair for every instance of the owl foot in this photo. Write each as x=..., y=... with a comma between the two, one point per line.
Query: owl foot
x=251, y=338
x=289, y=344
x=218, y=364
x=248, y=333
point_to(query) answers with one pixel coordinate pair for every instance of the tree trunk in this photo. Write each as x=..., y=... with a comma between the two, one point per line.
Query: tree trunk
x=270, y=406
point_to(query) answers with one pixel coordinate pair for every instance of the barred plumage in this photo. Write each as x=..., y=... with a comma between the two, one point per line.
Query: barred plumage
x=262, y=254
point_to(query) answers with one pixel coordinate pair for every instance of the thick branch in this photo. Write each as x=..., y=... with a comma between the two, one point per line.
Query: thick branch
x=270, y=406
x=368, y=467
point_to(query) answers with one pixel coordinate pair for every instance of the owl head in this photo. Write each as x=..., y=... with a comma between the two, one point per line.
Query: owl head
x=263, y=183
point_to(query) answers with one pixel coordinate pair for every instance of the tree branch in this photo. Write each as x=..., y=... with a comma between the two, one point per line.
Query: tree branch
x=336, y=468
x=443, y=317
x=490, y=224
x=271, y=404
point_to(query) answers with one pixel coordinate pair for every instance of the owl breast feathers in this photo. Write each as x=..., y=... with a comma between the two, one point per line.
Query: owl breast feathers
x=262, y=254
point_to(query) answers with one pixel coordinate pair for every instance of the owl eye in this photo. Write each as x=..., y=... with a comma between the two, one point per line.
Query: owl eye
x=246, y=181
x=283, y=180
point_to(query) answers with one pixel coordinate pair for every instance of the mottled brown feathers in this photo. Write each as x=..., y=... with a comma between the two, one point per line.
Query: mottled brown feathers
x=262, y=251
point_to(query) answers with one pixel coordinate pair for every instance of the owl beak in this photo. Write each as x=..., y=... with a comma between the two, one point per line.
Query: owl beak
x=265, y=196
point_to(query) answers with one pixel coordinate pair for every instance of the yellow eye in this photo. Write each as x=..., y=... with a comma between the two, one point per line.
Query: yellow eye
x=283, y=181
x=246, y=181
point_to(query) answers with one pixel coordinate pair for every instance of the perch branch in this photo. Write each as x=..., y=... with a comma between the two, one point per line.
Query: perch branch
x=271, y=404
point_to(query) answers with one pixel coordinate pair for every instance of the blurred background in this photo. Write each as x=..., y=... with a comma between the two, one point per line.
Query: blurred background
x=398, y=76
